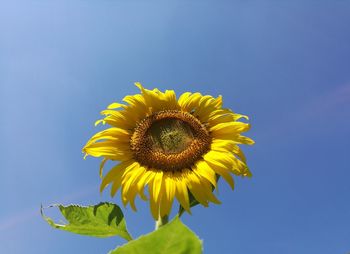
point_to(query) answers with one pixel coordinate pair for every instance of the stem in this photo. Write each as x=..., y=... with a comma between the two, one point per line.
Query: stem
x=162, y=221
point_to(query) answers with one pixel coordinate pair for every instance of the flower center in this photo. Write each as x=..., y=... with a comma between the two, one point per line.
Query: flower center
x=170, y=140
x=170, y=135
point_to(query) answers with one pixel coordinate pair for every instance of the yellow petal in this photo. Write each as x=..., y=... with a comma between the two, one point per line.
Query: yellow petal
x=137, y=107
x=237, y=151
x=189, y=102
x=121, y=118
x=224, y=116
x=136, y=101
x=194, y=185
x=116, y=185
x=230, y=128
x=129, y=187
x=115, y=173
x=118, y=122
x=102, y=165
x=155, y=186
x=168, y=194
x=142, y=182
x=181, y=192
x=208, y=191
x=183, y=99
x=115, y=105
x=154, y=204
x=243, y=140
x=100, y=121
x=207, y=105
x=222, y=145
x=108, y=149
x=222, y=171
x=204, y=171
x=240, y=168
x=220, y=165
x=157, y=101
x=111, y=134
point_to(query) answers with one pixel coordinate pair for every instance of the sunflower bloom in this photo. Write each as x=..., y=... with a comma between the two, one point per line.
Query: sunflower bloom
x=175, y=147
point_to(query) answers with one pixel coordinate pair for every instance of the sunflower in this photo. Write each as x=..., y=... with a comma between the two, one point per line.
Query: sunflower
x=177, y=148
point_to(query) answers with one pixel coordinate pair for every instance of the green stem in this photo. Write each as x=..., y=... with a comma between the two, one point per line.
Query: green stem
x=162, y=221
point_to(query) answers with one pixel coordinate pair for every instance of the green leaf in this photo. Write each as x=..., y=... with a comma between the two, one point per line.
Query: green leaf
x=172, y=238
x=101, y=220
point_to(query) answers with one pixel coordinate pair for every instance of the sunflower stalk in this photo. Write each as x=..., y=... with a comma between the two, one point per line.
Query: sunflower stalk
x=161, y=221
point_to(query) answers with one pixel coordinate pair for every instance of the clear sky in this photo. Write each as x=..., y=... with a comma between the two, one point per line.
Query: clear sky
x=286, y=64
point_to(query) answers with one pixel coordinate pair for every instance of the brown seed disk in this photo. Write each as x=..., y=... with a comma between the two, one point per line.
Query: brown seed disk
x=170, y=140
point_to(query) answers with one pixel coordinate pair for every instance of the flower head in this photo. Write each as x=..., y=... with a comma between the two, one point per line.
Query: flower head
x=175, y=147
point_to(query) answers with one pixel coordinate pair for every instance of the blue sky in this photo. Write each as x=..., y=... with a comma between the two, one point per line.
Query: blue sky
x=286, y=64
